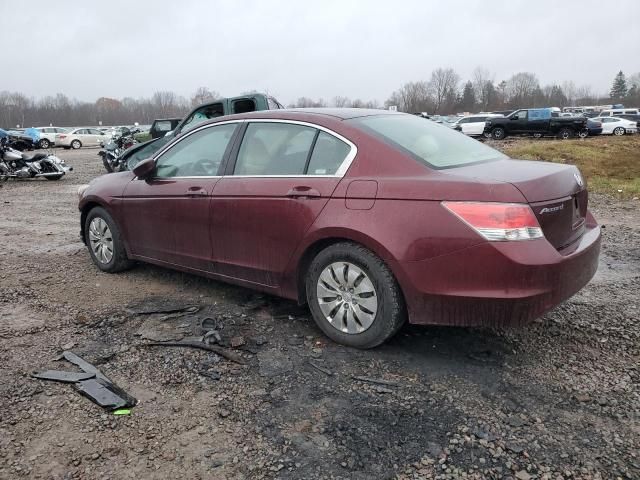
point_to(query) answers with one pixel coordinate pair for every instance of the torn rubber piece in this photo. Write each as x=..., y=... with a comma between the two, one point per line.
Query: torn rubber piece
x=106, y=394
x=65, y=377
x=159, y=305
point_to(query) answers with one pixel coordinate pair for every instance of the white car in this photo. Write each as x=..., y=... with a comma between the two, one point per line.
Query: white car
x=473, y=125
x=48, y=135
x=616, y=126
x=82, y=137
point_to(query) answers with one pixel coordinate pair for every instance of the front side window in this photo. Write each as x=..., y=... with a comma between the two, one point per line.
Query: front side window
x=197, y=155
x=429, y=143
x=274, y=149
x=521, y=115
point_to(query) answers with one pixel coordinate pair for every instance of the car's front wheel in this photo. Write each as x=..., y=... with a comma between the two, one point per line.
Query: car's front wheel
x=104, y=242
x=44, y=143
x=353, y=296
x=565, y=133
x=618, y=131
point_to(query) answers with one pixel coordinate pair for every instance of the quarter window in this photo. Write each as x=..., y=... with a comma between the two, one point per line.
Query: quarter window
x=328, y=154
x=198, y=155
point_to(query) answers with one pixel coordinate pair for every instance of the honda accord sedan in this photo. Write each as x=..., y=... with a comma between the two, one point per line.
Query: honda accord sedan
x=372, y=218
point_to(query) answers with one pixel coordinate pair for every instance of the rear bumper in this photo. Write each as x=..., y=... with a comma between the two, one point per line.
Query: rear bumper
x=498, y=283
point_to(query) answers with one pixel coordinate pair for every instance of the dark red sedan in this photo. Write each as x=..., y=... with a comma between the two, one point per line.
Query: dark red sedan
x=370, y=217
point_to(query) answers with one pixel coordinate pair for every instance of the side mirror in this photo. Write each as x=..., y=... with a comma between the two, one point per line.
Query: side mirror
x=145, y=168
x=513, y=118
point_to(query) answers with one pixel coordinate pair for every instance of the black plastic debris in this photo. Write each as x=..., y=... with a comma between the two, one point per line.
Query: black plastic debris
x=65, y=377
x=91, y=383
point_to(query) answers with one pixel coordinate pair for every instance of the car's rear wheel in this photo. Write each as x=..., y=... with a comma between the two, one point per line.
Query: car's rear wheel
x=583, y=133
x=565, y=133
x=104, y=242
x=353, y=296
x=618, y=131
x=76, y=144
x=498, y=133
x=537, y=135
x=44, y=143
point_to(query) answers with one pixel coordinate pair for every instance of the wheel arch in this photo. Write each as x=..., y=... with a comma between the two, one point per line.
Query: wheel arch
x=322, y=241
x=84, y=211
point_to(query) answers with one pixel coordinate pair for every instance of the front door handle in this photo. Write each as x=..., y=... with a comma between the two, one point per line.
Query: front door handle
x=195, y=192
x=303, y=192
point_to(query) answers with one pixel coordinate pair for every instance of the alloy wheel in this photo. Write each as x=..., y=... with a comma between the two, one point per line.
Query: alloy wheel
x=619, y=131
x=101, y=240
x=347, y=297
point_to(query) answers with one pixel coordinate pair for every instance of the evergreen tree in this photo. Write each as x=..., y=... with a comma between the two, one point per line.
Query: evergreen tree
x=468, y=101
x=619, y=87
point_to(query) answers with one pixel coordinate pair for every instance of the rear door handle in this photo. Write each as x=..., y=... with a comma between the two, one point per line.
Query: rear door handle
x=195, y=192
x=303, y=192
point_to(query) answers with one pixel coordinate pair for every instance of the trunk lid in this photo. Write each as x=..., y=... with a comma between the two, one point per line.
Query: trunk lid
x=556, y=193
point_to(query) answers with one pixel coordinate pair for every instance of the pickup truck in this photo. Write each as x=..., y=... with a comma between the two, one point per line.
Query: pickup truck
x=538, y=122
x=202, y=113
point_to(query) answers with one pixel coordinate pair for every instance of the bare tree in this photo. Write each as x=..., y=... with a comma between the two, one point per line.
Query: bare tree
x=341, y=102
x=482, y=86
x=443, y=87
x=522, y=89
x=202, y=95
x=412, y=97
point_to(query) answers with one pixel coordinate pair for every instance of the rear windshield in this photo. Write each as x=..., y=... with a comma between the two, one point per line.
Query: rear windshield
x=436, y=145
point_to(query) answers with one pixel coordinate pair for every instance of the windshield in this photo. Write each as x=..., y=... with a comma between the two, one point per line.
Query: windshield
x=435, y=145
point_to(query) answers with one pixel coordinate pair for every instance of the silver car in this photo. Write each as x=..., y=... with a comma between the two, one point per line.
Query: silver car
x=82, y=137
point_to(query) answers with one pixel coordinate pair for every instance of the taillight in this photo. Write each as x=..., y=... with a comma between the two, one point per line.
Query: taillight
x=498, y=221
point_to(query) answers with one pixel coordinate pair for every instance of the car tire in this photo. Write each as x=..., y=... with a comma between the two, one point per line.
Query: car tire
x=565, y=133
x=44, y=143
x=619, y=131
x=537, y=135
x=97, y=219
x=498, y=133
x=375, y=277
x=76, y=144
x=583, y=133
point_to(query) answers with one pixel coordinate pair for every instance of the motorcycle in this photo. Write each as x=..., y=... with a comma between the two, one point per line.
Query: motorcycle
x=15, y=164
x=113, y=150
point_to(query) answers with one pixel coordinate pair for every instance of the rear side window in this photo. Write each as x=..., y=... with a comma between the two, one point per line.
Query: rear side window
x=243, y=106
x=274, y=149
x=434, y=145
x=328, y=154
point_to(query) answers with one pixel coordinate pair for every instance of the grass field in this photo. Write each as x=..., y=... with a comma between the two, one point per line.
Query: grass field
x=610, y=164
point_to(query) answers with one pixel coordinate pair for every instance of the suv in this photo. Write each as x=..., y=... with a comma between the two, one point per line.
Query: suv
x=48, y=136
x=206, y=111
x=538, y=122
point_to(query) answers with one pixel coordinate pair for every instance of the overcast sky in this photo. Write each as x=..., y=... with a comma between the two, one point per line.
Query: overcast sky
x=360, y=49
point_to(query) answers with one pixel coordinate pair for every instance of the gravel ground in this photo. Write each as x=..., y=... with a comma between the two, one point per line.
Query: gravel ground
x=558, y=399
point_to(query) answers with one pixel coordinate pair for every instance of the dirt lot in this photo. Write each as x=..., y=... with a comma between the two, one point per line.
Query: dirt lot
x=559, y=399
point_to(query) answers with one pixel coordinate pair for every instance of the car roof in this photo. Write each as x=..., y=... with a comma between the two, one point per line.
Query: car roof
x=292, y=113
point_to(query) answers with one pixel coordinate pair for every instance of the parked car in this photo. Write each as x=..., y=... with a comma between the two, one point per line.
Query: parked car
x=537, y=122
x=594, y=126
x=198, y=115
x=370, y=217
x=82, y=137
x=473, y=125
x=616, y=112
x=617, y=126
x=48, y=136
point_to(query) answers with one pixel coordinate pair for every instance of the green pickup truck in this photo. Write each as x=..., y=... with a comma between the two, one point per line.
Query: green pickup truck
x=152, y=142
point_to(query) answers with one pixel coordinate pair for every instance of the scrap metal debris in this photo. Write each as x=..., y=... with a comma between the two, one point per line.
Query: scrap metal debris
x=91, y=383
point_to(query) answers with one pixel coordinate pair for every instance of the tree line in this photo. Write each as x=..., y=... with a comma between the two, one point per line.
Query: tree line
x=443, y=93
